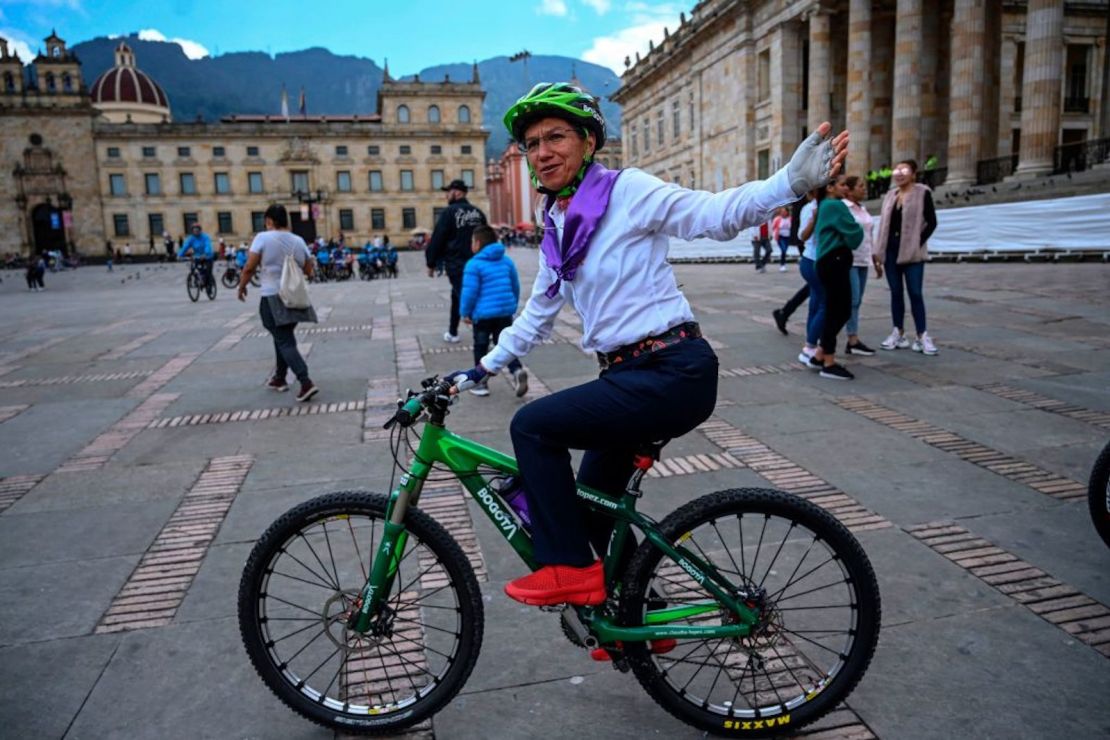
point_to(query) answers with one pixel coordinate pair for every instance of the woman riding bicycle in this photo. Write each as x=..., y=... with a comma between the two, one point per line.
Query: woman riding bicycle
x=604, y=250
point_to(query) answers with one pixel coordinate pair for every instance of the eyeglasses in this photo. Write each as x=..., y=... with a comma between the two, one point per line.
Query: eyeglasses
x=553, y=138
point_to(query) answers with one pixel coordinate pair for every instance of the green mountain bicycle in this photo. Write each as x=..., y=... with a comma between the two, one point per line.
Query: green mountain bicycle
x=362, y=613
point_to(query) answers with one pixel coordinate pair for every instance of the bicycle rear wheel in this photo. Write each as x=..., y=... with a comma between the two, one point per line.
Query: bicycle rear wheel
x=192, y=287
x=255, y=280
x=302, y=578
x=210, y=288
x=1098, y=494
x=229, y=279
x=818, y=600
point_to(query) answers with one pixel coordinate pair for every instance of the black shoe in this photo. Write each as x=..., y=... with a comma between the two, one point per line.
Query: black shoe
x=308, y=390
x=837, y=372
x=815, y=364
x=780, y=320
x=859, y=348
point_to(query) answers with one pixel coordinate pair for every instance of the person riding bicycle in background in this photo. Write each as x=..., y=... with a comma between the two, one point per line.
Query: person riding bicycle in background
x=604, y=251
x=200, y=245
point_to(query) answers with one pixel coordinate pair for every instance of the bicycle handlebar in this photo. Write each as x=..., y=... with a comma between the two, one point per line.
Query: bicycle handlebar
x=436, y=394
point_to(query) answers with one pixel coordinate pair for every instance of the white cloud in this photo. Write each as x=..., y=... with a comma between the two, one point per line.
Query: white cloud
x=192, y=49
x=648, y=22
x=552, y=7
x=18, y=43
x=600, y=6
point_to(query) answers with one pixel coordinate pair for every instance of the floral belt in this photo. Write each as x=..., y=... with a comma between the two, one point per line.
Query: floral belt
x=672, y=336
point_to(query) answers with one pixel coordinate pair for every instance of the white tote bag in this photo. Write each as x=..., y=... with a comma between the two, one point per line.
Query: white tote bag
x=293, y=291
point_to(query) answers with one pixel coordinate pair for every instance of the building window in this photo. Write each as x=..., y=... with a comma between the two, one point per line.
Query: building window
x=433, y=114
x=9, y=82
x=437, y=179
x=252, y=151
x=406, y=180
x=402, y=114
x=258, y=221
x=408, y=218
x=188, y=183
x=346, y=219
x=67, y=82
x=435, y=213
x=50, y=85
x=189, y=219
x=646, y=128
x=113, y=152
x=153, y=183
x=343, y=181
x=373, y=150
x=468, y=178
x=464, y=114
x=764, y=81
x=659, y=126
x=437, y=149
x=149, y=152
x=632, y=138
x=219, y=152
x=117, y=185
x=377, y=219
x=690, y=104
x=223, y=183
x=376, y=181
x=183, y=152
x=299, y=180
x=223, y=222
x=341, y=150
x=119, y=221
x=155, y=223
x=467, y=149
x=406, y=150
x=763, y=164
x=254, y=182
x=676, y=113
x=1076, y=96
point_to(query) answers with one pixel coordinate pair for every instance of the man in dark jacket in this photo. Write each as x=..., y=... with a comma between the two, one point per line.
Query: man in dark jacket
x=450, y=242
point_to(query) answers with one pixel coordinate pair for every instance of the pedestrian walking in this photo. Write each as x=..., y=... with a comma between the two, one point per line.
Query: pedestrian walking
x=36, y=273
x=761, y=246
x=490, y=294
x=780, y=230
x=837, y=236
x=782, y=315
x=861, y=260
x=909, y=218
x=450, y=244
x=267, y=255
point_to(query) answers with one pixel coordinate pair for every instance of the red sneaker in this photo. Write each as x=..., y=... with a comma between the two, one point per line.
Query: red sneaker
x=560, y=584
x=664, y=645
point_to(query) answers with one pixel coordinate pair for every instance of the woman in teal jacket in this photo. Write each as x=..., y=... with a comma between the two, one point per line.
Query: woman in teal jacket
x=838, y=235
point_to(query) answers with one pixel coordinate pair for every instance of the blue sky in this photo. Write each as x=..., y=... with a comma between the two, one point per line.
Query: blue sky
x=412, y=35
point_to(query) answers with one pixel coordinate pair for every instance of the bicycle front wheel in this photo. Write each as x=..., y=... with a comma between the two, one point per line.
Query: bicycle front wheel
x=192, y=287
x=1098, y=495
x=229, y=279
x=819, y=610
x=300, y=583
x=210, y=288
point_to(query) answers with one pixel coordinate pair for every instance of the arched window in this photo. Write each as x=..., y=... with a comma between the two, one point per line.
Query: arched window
x=433, y=114
x=9, y=82
x=402, y=114
x=67, y=82
x=50, y=86
x=464, y=114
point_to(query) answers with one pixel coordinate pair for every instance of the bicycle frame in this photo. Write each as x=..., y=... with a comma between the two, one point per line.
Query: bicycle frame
x=463, y=457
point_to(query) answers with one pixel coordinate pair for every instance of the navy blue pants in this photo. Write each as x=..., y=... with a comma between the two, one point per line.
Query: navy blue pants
x=657, y=396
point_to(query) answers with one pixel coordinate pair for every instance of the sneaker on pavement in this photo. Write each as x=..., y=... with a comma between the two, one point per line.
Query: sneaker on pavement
x=896, y=340
x=815, y=364
x=837, y=372
x=520, y=382
x=780, y=320
x=804, y=357
x=560, y=584
x=924, y=344
x=451, y=338
x=782, y=268
x=859, y=348
x=277, y=384
x=308, y=390
x=481, y=389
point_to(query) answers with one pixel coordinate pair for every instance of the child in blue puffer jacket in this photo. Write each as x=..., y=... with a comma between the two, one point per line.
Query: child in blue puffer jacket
x=490, y=294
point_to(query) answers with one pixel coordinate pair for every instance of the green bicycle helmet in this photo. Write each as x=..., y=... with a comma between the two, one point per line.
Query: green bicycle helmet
x=561, y=100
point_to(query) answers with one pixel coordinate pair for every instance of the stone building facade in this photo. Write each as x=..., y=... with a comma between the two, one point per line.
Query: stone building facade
x=727, y=96
x=97, y=173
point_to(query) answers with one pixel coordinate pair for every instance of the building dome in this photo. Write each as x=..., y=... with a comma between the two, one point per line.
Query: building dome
x=127, y=94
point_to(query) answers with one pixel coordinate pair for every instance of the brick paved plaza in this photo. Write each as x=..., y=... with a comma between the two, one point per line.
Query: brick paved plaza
x=142, y=457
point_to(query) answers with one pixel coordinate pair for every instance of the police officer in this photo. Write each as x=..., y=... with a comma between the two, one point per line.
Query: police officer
x=450, y=243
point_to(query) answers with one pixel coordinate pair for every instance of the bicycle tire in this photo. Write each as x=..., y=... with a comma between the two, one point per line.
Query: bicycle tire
x=265, y=591
x=255, y=280
x=781, y=700
x=229, y=279
x=192, y=287
x=210, y=288
x=1098, y=494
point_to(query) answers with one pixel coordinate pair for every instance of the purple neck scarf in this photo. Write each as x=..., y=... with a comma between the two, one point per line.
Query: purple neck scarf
x=584, y=213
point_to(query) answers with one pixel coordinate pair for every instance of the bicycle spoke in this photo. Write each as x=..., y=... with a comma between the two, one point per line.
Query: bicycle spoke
x=759, y=545
x=774, y=559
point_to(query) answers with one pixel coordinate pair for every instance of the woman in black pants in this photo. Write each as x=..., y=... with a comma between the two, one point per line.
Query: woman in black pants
x=838, y=235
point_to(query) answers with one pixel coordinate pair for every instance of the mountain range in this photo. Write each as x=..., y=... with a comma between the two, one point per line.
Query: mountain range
x=250, y=82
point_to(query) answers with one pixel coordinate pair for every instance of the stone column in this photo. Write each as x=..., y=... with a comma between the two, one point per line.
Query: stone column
x=907, y=82
x=820, y=69
x=786, y=92
x=1041, y=85
x=859, y=87
x=965, y=103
